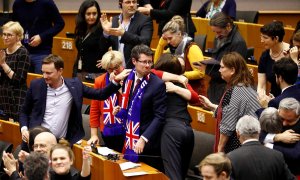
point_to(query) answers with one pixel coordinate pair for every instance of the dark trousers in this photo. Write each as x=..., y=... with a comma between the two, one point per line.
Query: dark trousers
x=151, y=154
x=114, y=142
x=177, y=144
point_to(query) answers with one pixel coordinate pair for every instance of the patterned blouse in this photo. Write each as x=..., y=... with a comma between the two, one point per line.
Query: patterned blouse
x=13, y=91
x=238, y=101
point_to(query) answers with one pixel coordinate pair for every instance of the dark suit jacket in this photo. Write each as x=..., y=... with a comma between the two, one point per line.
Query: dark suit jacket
x=172, y=8
x=292, y=91
x=153, y=112
x=139, y=31
x=33, y=109
x=255, y=161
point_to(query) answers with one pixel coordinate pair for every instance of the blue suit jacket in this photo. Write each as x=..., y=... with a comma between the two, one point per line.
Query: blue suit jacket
x=292, y=91
x=139, y=31
x=33, y=109
x=153, y=111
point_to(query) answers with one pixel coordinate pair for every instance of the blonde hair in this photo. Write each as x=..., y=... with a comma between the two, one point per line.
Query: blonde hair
x=14, y=27
x=176, y=24
x=111, y=57
x=219, y=161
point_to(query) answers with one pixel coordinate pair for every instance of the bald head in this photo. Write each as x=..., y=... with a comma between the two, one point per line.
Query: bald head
x=43, y=143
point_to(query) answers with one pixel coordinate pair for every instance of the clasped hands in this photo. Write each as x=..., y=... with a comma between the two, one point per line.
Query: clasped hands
x=107, y=26
x=264, y=99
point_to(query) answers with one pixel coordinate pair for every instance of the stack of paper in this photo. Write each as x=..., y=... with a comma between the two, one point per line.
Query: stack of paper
x=128, y=165
x=104, y=151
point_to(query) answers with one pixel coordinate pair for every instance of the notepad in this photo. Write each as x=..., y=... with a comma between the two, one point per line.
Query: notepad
x=128, y=165
x=104, y=151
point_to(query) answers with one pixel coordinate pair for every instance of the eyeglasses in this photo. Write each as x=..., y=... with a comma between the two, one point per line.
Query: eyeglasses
x=146, y=62
x=35, y=146
x=130, y=2
x=8, y=35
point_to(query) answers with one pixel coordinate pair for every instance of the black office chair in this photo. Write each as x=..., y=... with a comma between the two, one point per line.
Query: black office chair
x=250, y=56
x=200, y=40
x=203, y=146
x=247, y=16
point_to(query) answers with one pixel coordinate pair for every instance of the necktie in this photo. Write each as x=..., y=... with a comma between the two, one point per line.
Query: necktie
x=136, y=87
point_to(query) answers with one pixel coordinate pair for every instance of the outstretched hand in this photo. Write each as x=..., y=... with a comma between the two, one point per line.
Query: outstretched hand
x=121, y=76
x=207, y=103
x=105, y=23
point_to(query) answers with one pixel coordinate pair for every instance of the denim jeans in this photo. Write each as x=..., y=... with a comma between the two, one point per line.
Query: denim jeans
x=36, y=61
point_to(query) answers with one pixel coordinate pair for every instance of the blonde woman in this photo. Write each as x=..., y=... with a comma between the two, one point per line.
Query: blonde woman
x=179, y=43
x=14, y=65
x=101, y=111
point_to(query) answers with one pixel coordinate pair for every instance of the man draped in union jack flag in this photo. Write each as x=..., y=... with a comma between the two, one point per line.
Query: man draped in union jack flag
x=101, y=113
x=143, y=110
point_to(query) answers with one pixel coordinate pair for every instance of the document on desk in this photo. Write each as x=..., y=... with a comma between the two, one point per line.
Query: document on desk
x=104, y=151
x=138, y=173
x=128, y=165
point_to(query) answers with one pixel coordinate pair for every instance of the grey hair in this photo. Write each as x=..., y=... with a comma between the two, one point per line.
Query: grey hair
x=290, y=104
x=270, y=120
x=248, y=126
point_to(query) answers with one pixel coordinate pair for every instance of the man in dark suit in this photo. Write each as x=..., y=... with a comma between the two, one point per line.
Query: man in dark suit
x=169, y=8
x=253, y=160
x=286, y=72
x=55, y=102
x=143, y=109
x=128, y=29
x=287, y=142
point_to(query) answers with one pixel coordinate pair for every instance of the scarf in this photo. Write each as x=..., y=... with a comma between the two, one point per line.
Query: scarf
x=180, y=50
x=130, y=113
x=112, y=125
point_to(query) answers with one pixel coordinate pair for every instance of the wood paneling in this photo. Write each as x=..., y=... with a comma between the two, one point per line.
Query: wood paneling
x=289, y=18
x=10, y=132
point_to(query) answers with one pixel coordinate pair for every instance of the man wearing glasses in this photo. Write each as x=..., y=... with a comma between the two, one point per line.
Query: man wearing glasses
x=143, y=110
x=128, y=29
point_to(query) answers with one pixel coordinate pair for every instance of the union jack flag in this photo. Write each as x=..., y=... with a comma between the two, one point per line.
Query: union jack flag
x=125, y=95
x=132, y=134
x=109, y=104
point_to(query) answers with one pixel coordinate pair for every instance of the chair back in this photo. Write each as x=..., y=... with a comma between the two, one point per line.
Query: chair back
x=200, y=40
x=247, y=16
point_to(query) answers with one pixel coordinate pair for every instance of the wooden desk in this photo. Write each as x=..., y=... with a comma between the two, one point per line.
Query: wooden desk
x=10, y=132
x=202, y=120
x=289, y=18
x=65, y=48
x=102, y=168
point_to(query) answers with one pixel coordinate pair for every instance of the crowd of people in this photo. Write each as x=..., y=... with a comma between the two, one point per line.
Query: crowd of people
x=140, y=98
